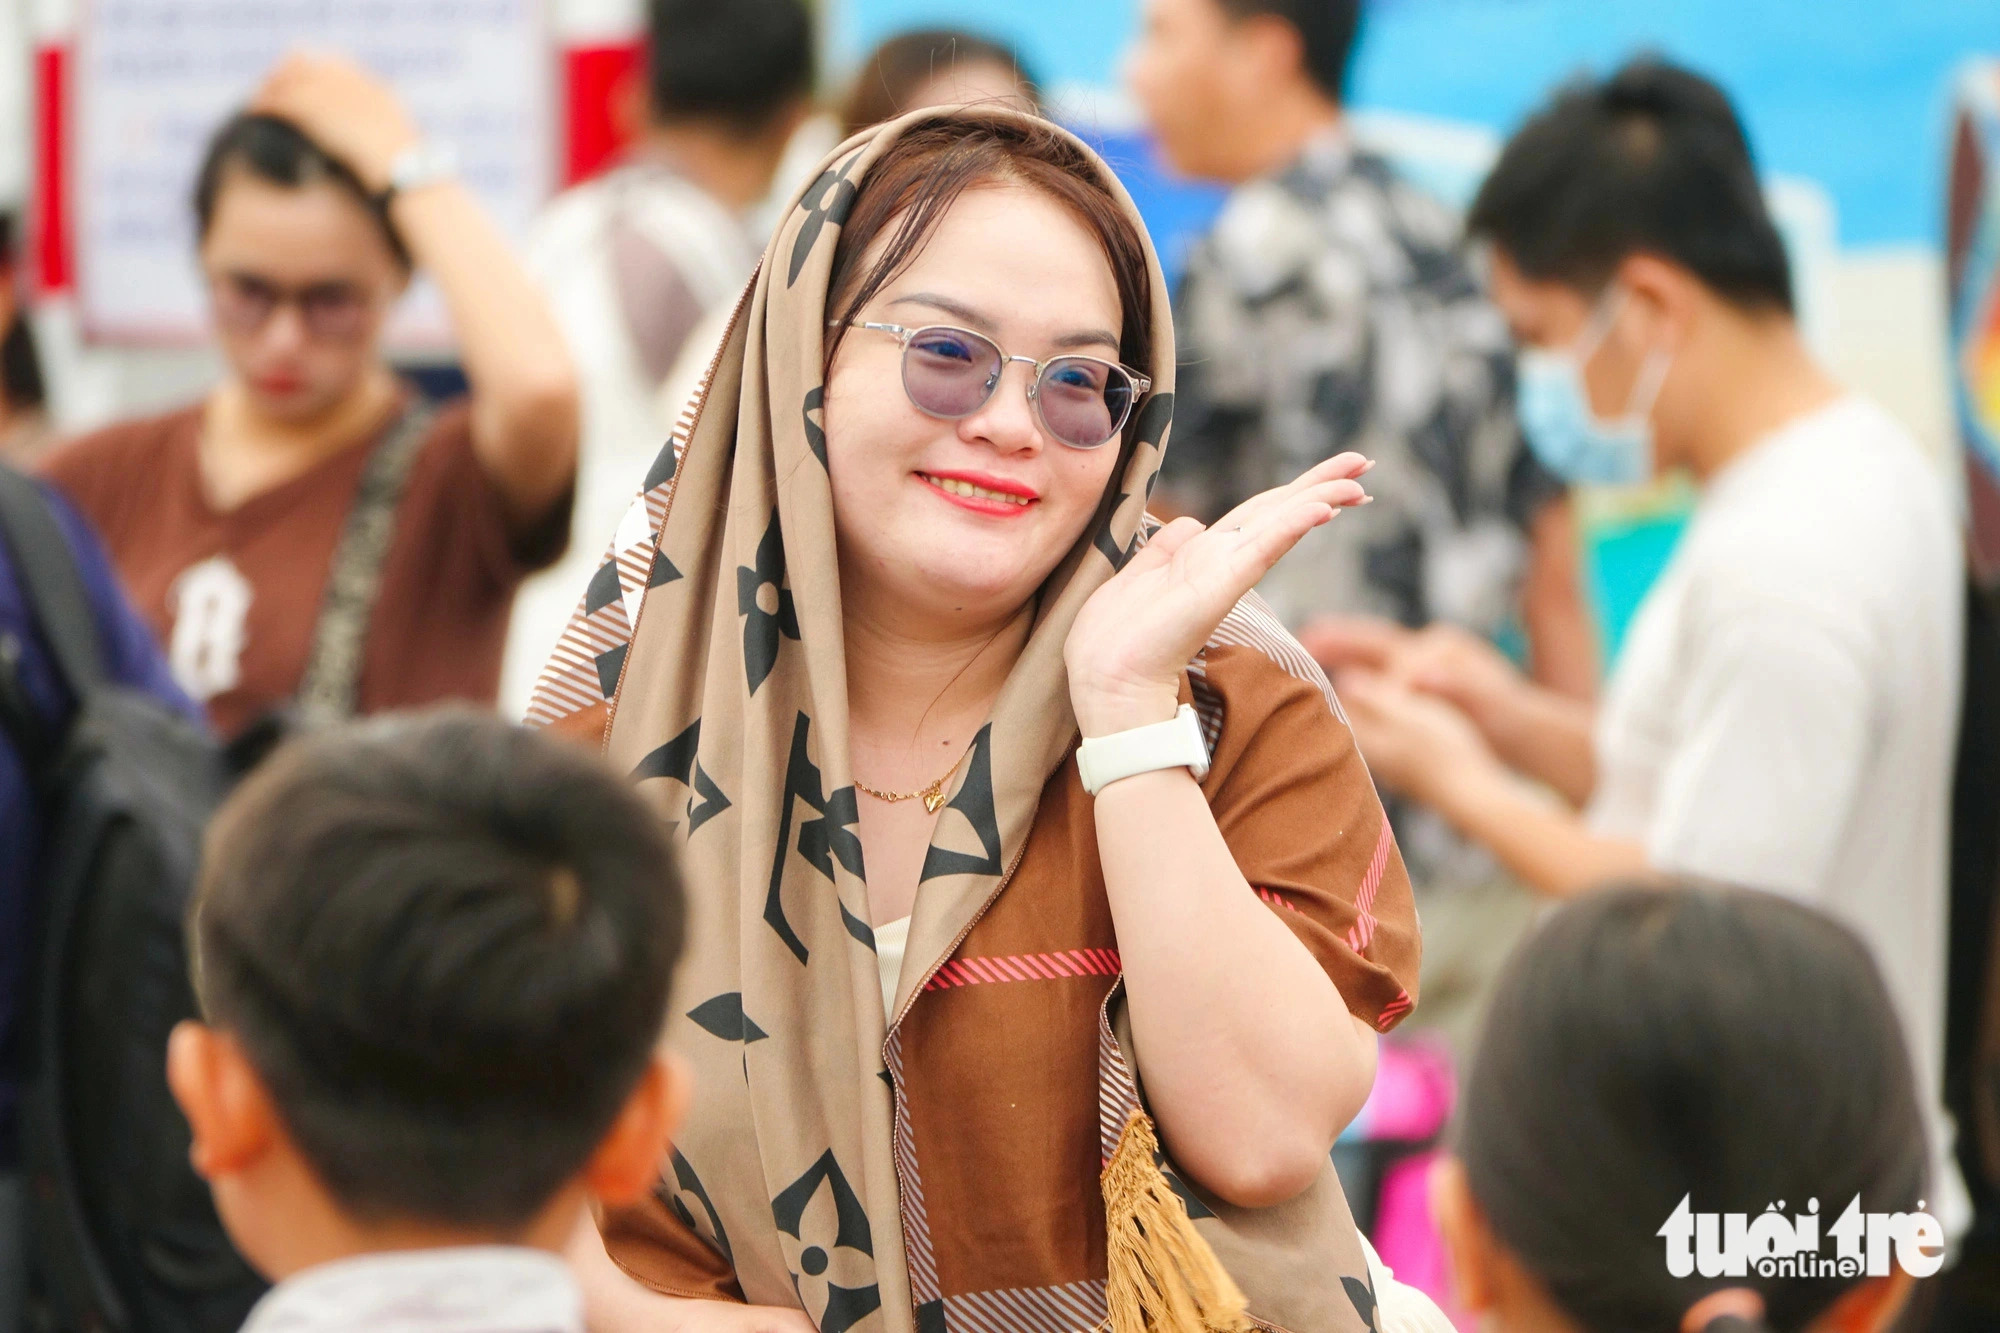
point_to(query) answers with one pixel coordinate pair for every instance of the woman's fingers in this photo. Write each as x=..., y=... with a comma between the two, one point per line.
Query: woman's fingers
x=1285, y=509
x=1243, y=556
x=1339, y=473
x=1225, y=560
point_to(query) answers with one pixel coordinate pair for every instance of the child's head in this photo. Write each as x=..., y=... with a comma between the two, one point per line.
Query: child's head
x=433, y=953
x=1652, y=1044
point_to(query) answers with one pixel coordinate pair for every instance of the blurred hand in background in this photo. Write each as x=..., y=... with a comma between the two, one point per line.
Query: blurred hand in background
x=344, y=109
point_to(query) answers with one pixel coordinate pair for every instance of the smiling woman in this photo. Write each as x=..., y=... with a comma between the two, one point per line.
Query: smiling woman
x=847, y=641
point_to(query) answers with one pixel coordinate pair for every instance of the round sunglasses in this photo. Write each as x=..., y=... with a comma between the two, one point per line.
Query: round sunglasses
x=949, y=372
x=333, y=311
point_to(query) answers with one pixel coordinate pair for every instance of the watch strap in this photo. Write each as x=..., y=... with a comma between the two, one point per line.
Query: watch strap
x=424, y=162
x=1103, y=760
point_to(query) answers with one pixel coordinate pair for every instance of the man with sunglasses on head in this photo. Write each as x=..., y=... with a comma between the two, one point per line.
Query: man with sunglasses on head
x=313, y=522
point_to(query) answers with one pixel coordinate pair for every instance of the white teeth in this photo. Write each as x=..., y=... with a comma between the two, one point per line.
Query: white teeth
x=967, y=489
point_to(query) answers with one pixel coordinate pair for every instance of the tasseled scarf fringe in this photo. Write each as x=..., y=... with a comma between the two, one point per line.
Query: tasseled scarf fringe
x=1162, y=1277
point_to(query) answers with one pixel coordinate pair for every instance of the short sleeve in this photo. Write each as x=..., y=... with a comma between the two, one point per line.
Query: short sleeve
x=468, y=514
x=1773, y=735
x=1295, y=803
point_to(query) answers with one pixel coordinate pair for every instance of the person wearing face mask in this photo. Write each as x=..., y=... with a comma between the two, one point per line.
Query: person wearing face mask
x=1784, y=711
x=313, y=529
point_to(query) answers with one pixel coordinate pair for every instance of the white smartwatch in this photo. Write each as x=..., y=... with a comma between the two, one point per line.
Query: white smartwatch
x=1102, y=760
x=425, y=162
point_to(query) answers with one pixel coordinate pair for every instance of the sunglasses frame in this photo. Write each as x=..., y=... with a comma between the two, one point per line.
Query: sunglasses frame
x=906, y=334
x=232, y=294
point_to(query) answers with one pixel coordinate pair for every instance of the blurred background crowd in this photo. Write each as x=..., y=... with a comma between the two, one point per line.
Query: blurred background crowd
x=1724, y=228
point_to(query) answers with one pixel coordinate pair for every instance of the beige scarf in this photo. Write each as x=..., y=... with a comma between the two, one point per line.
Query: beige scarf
x=708, y=658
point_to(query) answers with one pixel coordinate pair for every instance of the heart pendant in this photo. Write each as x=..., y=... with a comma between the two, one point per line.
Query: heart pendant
x=933, y=799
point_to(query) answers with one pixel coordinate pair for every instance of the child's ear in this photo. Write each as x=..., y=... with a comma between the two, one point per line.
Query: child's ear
x=231, y=1114
x=1466, y=1240
x=627, y=1160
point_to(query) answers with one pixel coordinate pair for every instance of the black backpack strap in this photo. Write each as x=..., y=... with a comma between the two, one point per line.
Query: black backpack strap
x=19, y=722
x=330, y=688
x=57, y=594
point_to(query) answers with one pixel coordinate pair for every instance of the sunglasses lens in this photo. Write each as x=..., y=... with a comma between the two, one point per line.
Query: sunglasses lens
x=1083, y=400
x=949, y=372
x=335, y=312
x=242, y=304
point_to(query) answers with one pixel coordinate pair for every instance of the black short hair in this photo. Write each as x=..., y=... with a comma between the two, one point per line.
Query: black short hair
x=741, y=62
x=1650, y=160
x=905, y=62
x=1651, y=1043
x=275, y=150
x=445, y=944
x=22, y=387
x=1327, y=29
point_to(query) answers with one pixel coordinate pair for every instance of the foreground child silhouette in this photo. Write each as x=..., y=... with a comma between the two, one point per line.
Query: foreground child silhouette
x=433, y=953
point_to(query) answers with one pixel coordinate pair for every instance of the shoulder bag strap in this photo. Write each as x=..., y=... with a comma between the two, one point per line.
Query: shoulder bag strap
x=330, y=688
x=58, y=602
x=57, y=595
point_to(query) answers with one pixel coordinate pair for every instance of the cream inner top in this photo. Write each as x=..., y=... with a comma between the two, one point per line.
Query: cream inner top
x=891, y=939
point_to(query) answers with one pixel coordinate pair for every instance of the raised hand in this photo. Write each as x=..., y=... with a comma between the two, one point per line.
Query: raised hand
x=1413, y=741
x=344, y=109
x=1441, y=659
x=1136, y=634
x=1338, y=643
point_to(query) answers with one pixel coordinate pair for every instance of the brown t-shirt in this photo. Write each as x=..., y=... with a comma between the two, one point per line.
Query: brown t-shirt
x=234, y=595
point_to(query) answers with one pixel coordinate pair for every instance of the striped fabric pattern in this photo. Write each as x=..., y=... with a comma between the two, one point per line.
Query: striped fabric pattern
x=1250, y=624
x=1117, y=1090
x=1079, y=1307
x=573, y=681
x=1276, y=899
x=1025, y=967
x=918, y=1250
x=1363, y=929
x=1208, y=708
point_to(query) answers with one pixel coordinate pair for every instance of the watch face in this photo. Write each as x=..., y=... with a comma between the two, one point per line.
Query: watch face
x=423, y=163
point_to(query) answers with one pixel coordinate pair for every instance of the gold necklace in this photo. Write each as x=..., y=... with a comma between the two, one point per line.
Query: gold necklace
x=933, y=795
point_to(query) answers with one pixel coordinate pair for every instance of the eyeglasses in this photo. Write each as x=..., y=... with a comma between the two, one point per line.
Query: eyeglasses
x=332, y=311
x=1083, y=401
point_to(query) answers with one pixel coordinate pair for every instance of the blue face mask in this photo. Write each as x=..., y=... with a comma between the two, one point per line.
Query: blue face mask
x=1565, y=432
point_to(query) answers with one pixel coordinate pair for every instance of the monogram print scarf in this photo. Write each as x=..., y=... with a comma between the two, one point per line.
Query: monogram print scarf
x=707, y=661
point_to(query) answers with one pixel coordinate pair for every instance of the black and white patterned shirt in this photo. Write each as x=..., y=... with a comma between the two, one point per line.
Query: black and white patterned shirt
x=1331, y=308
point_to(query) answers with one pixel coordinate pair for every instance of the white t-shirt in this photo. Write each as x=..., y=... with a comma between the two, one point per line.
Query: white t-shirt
x=569, y=255
x=1784, y=715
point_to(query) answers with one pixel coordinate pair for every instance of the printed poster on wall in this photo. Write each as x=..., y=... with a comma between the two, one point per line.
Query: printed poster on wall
x=154, y=78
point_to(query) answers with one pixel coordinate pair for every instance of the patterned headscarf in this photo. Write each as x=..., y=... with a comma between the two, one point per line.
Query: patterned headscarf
x=711, y=662
x=708, y=660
